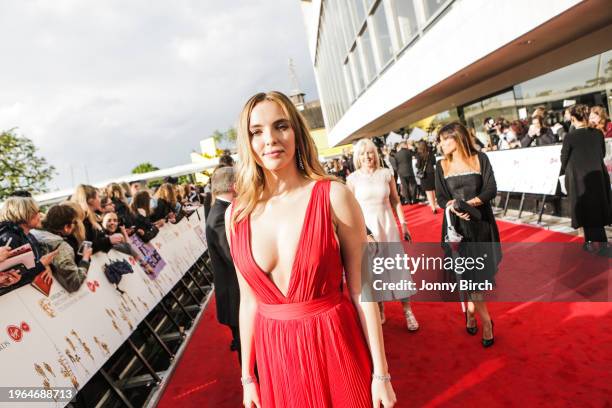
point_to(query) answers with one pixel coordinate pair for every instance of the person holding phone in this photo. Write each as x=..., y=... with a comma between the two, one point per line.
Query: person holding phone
x=18, y=216
x=375, y=191
x=59, y=224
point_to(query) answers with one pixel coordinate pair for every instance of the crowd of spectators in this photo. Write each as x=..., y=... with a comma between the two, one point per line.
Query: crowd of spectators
x=65, y=237
x=540, y=129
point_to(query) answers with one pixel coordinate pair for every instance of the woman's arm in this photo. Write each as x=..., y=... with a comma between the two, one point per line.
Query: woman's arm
x=441, y=194
x=351, y=231
x=396, y=205
x=489, y=186
x=566, y=150
x=246, y=321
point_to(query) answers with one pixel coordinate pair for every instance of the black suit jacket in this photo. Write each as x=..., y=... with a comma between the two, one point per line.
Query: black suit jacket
x=404, y=163
x=227, y=293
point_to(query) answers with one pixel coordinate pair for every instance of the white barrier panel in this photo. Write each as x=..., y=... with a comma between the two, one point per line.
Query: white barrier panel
x=64, y=339
x=532, y=170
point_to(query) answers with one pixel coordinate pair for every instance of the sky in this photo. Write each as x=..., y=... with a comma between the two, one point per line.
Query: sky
x=101, y=86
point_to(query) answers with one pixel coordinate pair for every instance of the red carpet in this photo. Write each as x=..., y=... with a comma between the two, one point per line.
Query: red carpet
x=545, y=354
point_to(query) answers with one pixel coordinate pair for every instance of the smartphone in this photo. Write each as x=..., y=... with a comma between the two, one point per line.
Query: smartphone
x=84, y=245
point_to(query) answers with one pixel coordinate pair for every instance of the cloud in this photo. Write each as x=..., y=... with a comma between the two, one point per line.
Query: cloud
x=110, y=84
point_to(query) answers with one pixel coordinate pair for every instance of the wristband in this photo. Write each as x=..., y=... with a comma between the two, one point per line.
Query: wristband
x=248, y=380
x=383, y=378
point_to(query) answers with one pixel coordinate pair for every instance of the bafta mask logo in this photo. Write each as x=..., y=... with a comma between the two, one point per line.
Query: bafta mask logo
x=93, y=285
x=15, y=333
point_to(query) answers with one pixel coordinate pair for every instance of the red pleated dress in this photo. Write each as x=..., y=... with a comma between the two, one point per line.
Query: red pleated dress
x=309, y=346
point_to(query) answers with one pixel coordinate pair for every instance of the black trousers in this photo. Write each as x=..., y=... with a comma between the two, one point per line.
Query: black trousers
x=408, y=188
x=595, y=234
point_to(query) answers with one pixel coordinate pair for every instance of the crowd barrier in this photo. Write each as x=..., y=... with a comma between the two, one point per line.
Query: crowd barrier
x=63, y=339
x=533, y=170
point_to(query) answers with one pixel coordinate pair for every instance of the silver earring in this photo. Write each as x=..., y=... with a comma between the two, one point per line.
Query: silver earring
x=299, y=160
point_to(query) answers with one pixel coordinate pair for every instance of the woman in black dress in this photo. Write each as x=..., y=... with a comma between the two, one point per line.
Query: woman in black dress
x=466, y=174
x=587, y=180
x=426, y=159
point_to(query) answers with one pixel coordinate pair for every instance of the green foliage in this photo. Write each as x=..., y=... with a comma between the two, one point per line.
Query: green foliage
x=226, y=139
x=20, y=166
x=144, y=168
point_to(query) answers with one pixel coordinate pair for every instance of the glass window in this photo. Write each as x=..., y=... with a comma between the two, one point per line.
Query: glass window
x=359, y=14
x=406, y=20
x=431, y=6
x=348, y=80
x=358, y=77
x=368, y=56
x=502, y=105
x=563, y=83
x=381, y=30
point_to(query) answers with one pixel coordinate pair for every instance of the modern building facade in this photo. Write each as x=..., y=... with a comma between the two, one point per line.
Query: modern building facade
x=382, y=65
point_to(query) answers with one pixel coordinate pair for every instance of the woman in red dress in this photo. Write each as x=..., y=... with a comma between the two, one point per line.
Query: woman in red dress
x=293, y=230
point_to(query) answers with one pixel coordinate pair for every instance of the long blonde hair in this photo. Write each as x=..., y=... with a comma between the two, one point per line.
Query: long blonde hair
x=166, y=192
x=82, y=194
x=79, y=228
x=250, y=180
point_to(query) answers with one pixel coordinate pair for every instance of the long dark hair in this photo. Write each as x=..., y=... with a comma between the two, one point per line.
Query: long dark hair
x=462, y=136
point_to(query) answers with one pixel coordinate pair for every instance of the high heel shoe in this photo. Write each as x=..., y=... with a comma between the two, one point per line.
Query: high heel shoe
x=489, y=342
x=471, y=330
x=411, y=321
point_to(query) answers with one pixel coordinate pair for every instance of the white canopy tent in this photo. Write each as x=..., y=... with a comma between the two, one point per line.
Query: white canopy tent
x=184, y=169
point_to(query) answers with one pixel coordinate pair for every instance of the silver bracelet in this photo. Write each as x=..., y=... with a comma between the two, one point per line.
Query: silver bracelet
x=248, y=380
x=383, y=378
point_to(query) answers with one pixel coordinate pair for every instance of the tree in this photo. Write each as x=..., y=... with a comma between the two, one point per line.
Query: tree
x=144, y=168
x=21, y=168
x=226, y=139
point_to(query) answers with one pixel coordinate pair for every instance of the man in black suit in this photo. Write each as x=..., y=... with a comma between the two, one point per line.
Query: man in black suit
x=405, y=172
x=227, y=293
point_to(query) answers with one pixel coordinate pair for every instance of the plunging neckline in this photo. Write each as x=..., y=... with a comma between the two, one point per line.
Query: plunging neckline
x=267, y=276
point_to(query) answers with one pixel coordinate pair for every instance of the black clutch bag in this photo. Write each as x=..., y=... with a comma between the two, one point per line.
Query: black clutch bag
x=463, y=207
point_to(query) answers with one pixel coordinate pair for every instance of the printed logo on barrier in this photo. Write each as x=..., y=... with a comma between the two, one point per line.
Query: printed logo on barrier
x=92, y=285
x=25, y=327
x=15, y=333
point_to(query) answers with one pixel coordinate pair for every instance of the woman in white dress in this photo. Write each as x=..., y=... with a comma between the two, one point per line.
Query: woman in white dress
x=375, y=190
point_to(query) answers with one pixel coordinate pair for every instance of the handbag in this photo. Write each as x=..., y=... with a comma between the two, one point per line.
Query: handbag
x=463, y=207
x=451, y=235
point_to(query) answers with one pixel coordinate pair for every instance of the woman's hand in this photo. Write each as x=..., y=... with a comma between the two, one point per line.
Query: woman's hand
x=46, y=276
x=474, y=202
x=250, y=398
x=87, y=252
x=382, y=393
x=4, y=252
x=47, y=259
x=116, y=238
x=9, y=278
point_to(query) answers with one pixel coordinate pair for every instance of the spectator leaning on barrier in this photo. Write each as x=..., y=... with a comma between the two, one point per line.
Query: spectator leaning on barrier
x=18, y=216
x=59, y=224
x=115, y=192
x=89, y=200
x=140, y=209
x=110, y=222
x=107, y=204
x=167, y=205
x=598, y=119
